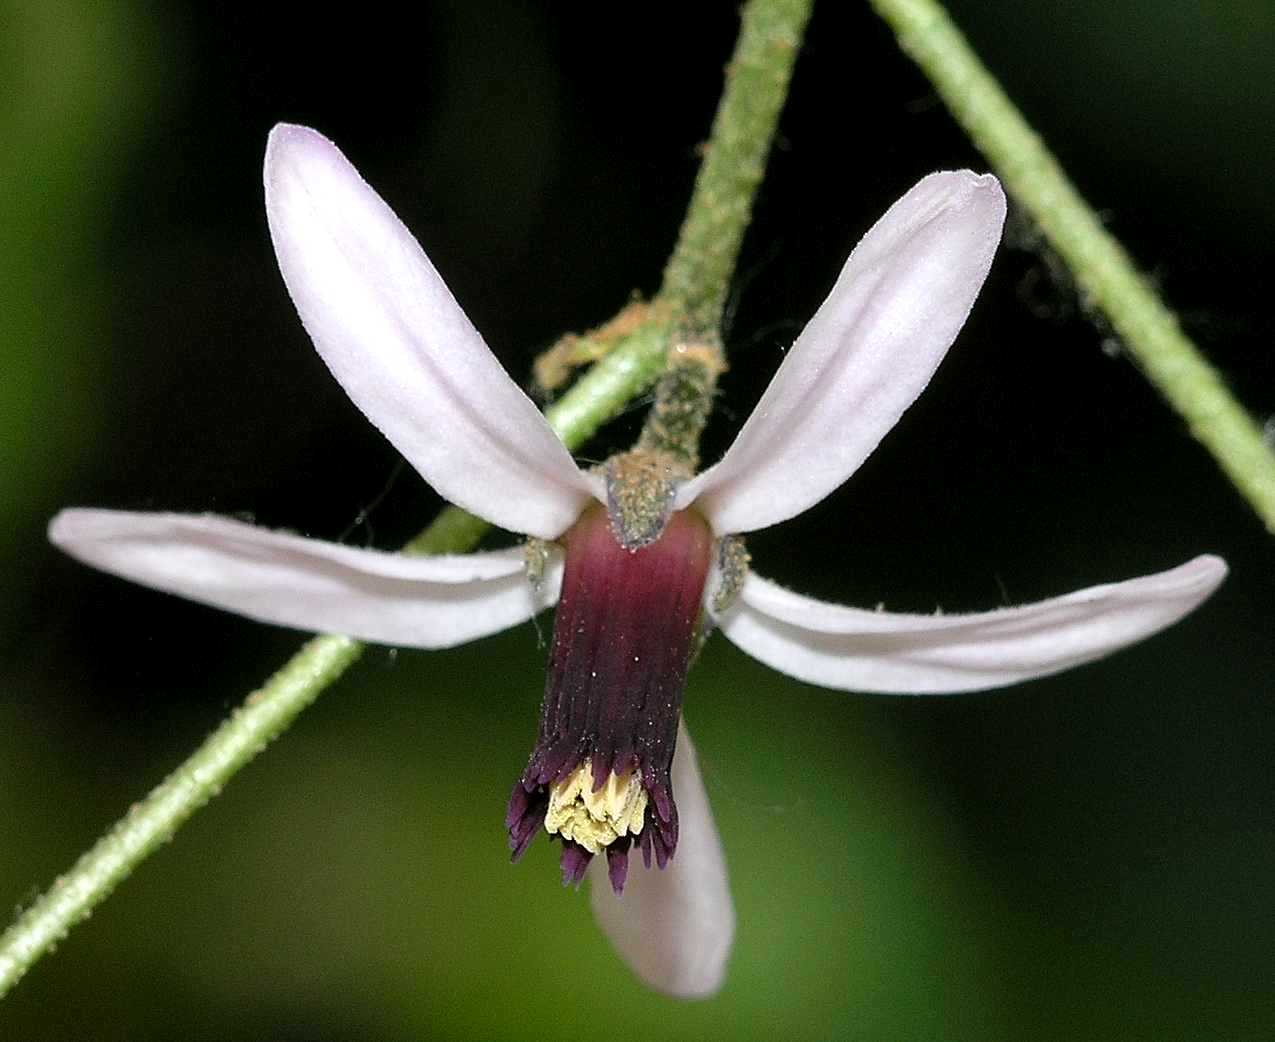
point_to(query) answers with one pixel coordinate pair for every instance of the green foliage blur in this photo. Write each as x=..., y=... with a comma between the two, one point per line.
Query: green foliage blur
x=1087, y=856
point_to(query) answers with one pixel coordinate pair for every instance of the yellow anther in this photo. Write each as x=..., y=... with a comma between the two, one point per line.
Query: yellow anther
x=596, y=819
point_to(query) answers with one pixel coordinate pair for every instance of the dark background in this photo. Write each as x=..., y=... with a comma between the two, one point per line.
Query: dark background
x=1087, y=856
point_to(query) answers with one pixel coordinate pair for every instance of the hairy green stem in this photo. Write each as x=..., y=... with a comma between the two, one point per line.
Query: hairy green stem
x=1102, y=268
x=703, y=263
x=604, y=391
x=150, y=823
x=698, y=274
x=683, y=403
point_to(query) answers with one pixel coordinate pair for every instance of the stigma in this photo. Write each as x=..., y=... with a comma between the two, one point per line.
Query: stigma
x=598, y=779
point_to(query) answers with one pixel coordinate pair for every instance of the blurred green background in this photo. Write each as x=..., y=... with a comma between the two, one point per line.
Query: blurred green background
x=1087, y=856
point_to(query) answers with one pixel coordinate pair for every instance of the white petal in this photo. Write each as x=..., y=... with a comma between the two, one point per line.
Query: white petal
x=861, y=361
x=856, y=650
x=395, y=338
x=674, y=926
x=422, y=602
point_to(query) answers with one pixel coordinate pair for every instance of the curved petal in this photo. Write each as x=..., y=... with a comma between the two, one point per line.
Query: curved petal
x=397, y=341
x=861, y=361
x=421, y=602
x=674, y=926
x=855, y=650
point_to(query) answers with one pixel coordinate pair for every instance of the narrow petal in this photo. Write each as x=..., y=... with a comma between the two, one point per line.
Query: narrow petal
x=674, y=926
x=422, y=602
x=855, y=650
x=861, y=361
x=400, y=345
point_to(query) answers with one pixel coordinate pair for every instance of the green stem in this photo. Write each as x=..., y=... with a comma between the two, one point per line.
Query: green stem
x=604, y=391
x=262, y=717
x=1101, y=266
x=702, y=268
x=683, y=403
x=698, y=274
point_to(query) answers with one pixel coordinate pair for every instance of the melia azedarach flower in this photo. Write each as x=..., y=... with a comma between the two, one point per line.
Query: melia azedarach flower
x=641, y=558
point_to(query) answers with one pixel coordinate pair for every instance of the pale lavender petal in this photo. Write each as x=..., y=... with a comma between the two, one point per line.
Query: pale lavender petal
x=856, y=650
x=674, y=926
x=422, y=602
x=393, y=335
x=861, y=361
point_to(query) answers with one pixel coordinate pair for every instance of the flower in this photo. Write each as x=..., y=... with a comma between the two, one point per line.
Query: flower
x=611, y=751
